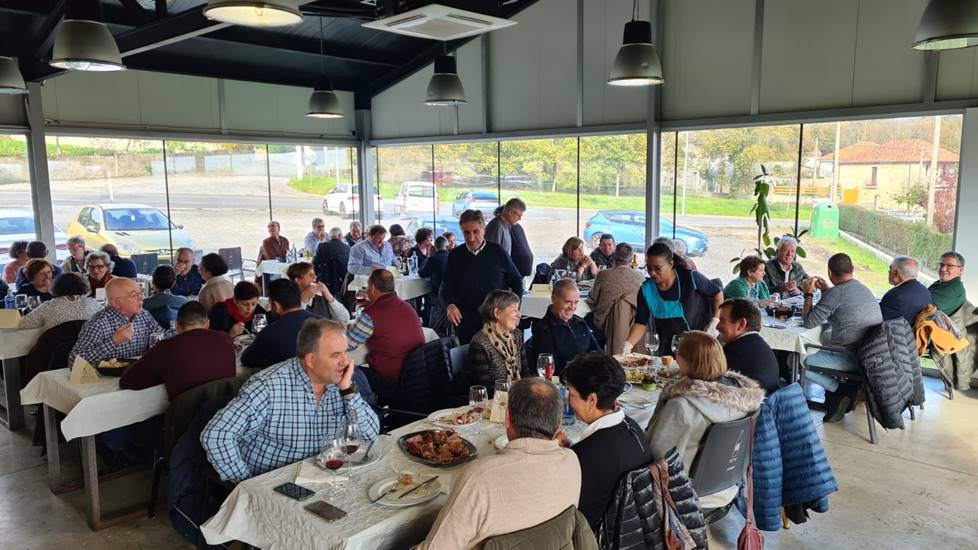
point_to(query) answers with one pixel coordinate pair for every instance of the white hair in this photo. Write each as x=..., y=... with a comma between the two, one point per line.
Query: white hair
x=336, y=233
x=316, y=221
x=785, y=241
x=680, y=247
x=906, y=266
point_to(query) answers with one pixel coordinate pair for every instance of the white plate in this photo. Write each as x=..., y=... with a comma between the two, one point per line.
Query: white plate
x=636, y=400
x=427, y=493
x=434, y=417
x=500, y=442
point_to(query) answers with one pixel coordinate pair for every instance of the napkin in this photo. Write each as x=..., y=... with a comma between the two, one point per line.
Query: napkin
x=82, y=372
x=311, y=474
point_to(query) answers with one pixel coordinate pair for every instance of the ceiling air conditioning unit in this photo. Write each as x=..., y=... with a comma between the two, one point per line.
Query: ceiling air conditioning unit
x=437, y=22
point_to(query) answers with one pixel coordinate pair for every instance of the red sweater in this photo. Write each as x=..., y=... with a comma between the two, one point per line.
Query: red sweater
x=183, y=362
x=397, y=331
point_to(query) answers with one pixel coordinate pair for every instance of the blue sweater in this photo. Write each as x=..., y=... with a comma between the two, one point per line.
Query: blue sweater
x=906, y=300
x=277, y=342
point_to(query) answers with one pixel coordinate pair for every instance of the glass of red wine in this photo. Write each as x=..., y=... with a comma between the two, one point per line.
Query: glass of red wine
x=333, y=458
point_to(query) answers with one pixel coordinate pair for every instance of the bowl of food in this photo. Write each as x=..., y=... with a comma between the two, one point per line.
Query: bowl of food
x=437, y=447
x=114, y=367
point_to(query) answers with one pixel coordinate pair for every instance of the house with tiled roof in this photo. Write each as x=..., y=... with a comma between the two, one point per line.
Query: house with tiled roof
x=872, y=174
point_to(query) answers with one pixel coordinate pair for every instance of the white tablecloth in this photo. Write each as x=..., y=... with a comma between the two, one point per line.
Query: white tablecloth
x=257, y=515
x=791, y=338
x=272, y=267
x=406, y=287
x=17, y=342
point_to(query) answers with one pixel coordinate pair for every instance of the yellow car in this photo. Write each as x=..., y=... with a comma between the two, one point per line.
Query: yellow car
x=132, y=228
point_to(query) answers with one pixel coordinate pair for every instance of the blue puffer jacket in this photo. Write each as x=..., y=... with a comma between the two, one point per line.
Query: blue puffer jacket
x=790, y=466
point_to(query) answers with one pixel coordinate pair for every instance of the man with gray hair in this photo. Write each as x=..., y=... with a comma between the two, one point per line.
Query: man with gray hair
x=948, y=292
x=316, y=236
x=355, y=234
x=285, y=412
x=561, y=333
x=330, y=260
x=505, y=231
x=614, y=298
x=908, y=297
x=529, y=482
x=782, y=273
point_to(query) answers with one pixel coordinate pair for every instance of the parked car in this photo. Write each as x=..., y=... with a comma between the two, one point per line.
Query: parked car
x=439, y=225
x=17, y=224
x=344, y=199
x=475, y=200
x=415, y=196
x=132, y=228
x=628, y=226
x=519, y=181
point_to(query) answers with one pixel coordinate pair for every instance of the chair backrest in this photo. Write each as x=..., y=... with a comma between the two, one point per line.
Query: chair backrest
x=423, y=385
x=145, y=263
x=232, y=257
x=457, y=363
x=186, y=405
x=722, y=459
x=51, y=350
x=542, y=274
x=569, y=530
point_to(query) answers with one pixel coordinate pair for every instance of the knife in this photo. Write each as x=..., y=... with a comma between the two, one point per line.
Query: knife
x=416, y=487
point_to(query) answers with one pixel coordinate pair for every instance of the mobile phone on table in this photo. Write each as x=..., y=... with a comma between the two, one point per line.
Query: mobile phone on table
x=294, y=491
x=325, y=510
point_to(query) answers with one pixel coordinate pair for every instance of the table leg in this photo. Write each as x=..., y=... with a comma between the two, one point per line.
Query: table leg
x=55, y=481
x=93, y=502
x=14, y=418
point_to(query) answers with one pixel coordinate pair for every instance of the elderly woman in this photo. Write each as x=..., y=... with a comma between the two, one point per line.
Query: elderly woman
x=98, y=266
x=39, y=275
x=315, y=296
x=575, y=260
x=216, y=287
x=236, y=314
x=70, y=302
x=400, y=243
x=750, y=284
x=612, y=444
x=497, y=352
x=672, y=301
x=18, y=259
x=705, y=393
x=613, y=297
x=75, y=263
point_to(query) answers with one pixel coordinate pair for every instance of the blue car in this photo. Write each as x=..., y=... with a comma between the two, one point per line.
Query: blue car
x=628, y=226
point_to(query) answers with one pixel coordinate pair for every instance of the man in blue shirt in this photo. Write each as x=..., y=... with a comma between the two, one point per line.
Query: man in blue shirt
x=371, y=253
x=285, y=413
x=908, y=297
x=276, y=343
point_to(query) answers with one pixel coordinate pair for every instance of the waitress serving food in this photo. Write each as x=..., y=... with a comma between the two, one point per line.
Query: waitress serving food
x=674, y=300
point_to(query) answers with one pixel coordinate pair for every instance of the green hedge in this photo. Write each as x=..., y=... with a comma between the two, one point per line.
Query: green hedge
x=895, y=236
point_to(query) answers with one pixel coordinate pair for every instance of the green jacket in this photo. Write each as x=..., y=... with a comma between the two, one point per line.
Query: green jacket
x=739, y=288
x=568, y=531
x=774, y=276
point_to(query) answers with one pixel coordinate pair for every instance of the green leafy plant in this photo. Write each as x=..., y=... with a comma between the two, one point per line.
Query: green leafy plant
x=766, y=247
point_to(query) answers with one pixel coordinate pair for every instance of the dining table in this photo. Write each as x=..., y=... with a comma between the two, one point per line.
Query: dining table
x=405, y=286
x=790, y=335
x=15, y=344
x=254, y=513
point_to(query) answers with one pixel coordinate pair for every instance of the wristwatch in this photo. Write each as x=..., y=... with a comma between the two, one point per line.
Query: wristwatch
x=349, y=391
x=809, y=294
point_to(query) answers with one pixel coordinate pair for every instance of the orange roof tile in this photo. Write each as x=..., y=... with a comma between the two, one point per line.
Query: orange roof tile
x=897, y=151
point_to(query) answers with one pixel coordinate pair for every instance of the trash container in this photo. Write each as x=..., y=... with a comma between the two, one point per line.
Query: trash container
x=825, y=221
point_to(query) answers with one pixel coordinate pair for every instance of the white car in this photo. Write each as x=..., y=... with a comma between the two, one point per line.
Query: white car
x=344, y=199
x=417, y=197
x=18, y=225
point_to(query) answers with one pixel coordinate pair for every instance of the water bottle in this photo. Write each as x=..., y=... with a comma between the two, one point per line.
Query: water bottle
x=569, y=418
x=413, y=265
x=9, y=302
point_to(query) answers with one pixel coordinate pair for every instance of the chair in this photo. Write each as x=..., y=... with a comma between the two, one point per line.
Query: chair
x=423, y=386
x=232, y=257
x=722, y=461
x=858, y=379
x=145, y=263
x=569, y=529
x=50, y=352
x=179, y=417
x=542, y=274
x=458, y=374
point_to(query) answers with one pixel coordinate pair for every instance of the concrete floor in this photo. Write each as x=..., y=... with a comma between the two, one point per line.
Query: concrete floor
x=915, y=489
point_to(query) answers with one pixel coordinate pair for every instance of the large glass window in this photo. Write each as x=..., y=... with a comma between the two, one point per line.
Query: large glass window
x=613, y=189
x=112, y=191
x=406, y=181
x=16, y=212
x=468, y=180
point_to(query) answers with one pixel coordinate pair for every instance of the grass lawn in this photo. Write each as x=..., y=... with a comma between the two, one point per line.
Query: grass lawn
x=317, y=185
x=870, y=270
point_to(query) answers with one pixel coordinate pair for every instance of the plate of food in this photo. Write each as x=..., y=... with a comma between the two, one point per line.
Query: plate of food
x=114, y=367
x=635, y=360
x=463, y=417
x=437, y=447
x=388, y=491
x=663, y=375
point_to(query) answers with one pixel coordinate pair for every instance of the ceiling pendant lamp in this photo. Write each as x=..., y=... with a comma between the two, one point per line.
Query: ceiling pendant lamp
x=947, y=25
x=637, y=62
x=250, y=13
x=323, y=102
x=83, y=45
x=11, y=81
x=445, y=87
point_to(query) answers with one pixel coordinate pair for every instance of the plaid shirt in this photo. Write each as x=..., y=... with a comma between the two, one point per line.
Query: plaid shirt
x=275, y=421
x=95, y=339
x=361, y=331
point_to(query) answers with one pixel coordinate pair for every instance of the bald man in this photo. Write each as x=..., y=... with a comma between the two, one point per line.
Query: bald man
x=120, y=330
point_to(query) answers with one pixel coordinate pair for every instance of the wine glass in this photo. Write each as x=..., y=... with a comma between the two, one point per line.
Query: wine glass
x=675, y=343
x=333, y=457
x=33, y=302
x=20, y=301
x=652, y=343
x=478, y=396
x=545, y=366
x=259, y=322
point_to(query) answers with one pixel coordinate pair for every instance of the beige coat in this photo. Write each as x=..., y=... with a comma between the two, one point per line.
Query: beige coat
x=614, y=299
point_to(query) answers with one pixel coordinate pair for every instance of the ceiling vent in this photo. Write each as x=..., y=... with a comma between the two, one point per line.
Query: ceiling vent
x=437, y=22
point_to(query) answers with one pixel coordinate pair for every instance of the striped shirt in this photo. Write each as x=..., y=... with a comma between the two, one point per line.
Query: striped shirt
x=361, y=331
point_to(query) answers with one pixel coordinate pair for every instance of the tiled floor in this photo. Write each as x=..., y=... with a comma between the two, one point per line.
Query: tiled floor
x=915, y=489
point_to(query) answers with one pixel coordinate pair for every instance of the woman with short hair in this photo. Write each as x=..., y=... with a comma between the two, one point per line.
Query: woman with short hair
x=750, y=284
x=315, y=296
x=574, y=259
x=216, y=287
x=18, y=259
x=70, y=302
x=497, y=352
x=612, y=444
x=98, y=267
x=236, y=314
x=39, y=274
x=705, y=393
x=423, y=246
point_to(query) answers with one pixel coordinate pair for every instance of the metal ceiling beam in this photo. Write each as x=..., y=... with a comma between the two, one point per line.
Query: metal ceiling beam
x=166, y=31
x=137, y=10
x=40, y=47
x=299, y=45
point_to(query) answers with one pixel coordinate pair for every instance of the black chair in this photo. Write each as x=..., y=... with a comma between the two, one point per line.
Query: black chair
x=458, y=374
x=856, y=378
x=232, y=257
x=423, y=386
x=145, y=263
x=722, y=461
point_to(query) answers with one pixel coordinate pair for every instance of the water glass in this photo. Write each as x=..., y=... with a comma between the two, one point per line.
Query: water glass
x=545, y=366
x=652, y=343
x=33, y=302
x=156, y=338
x=20, y=301
x=259, y=322
x=478, y=396
x=675, y=343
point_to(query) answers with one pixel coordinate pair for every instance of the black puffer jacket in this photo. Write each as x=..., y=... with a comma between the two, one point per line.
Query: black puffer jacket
x=888, y=356
x=632, y=522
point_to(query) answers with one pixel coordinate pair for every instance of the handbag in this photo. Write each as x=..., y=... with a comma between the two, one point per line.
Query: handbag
x=750, y=537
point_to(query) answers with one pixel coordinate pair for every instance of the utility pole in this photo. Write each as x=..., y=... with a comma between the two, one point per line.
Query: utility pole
x=932, y=180
x=835, y=163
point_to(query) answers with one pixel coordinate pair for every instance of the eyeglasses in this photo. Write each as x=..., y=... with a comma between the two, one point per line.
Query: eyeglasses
x=949, y=266
x=659, y=268
x=96, y=266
